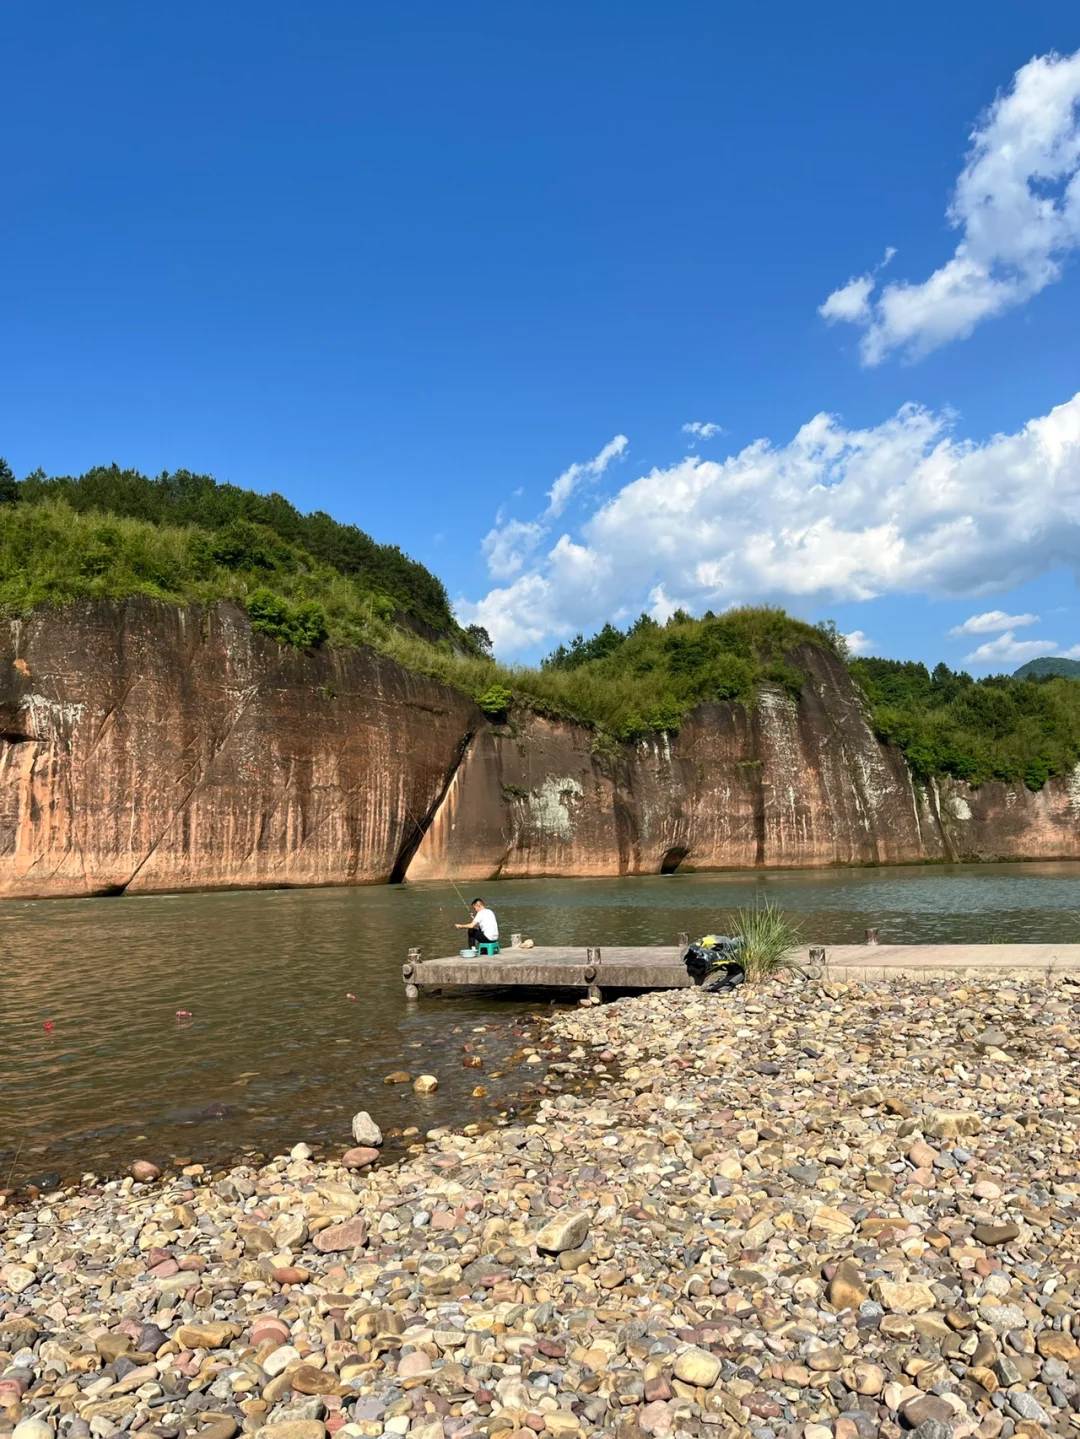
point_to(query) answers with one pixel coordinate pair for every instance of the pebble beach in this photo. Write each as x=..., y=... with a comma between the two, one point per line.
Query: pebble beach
x=804, y=1210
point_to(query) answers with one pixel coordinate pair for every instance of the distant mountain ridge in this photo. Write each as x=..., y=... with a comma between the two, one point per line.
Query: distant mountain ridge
x=1048, y=665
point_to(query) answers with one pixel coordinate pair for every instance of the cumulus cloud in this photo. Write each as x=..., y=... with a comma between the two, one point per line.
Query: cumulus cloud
x=858, y=643
x=1007, y=649
x=509, y=544
x=703, y=429
x=990, y=622
x=1017, y=208
x=834, y=515
x=851, y=302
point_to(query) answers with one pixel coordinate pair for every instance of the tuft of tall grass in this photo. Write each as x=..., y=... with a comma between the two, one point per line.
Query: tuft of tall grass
x=768, y=940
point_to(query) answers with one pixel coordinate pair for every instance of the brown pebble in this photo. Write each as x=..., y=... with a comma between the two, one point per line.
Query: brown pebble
x=287, y=1274
x=359, y=1157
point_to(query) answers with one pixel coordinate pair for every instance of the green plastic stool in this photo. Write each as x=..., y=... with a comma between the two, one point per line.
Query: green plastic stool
x=488, y=947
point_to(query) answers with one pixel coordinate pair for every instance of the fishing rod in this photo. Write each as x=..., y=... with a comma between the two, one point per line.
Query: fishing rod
x=422, y=831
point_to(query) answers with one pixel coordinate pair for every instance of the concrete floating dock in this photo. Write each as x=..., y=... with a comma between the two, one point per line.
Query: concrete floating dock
x=556, y=967
x=877, y=961
x=621, y=967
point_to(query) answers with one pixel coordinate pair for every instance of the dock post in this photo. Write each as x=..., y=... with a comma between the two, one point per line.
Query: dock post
x=683, y=940
x=872, y=936
x=408, y=973
x=593, y=959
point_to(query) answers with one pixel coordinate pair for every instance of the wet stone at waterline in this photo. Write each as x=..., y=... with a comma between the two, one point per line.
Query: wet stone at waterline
x=822, y=1211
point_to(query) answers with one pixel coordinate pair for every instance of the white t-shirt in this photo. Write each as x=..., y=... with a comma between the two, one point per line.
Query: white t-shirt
x=487, y=924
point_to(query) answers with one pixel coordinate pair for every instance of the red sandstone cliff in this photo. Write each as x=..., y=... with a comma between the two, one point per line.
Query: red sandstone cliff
x=148, y=748
x=151, y=748
x=783, y=785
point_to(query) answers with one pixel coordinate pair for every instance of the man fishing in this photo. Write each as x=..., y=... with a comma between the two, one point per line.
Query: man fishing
x=483, y=928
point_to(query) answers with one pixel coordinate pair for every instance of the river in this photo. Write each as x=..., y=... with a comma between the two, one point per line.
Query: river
x=273, y=1050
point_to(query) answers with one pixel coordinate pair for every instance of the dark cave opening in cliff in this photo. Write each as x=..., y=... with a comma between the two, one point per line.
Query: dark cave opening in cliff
x=674, y=857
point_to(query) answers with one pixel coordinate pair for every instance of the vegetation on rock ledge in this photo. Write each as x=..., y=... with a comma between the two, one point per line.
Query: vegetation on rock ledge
x=108, y=535
x=226, y=529
x=1000, y=727
x=648, y=683
x=303, y=579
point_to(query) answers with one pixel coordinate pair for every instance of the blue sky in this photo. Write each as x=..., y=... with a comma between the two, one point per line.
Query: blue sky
x=411, y=264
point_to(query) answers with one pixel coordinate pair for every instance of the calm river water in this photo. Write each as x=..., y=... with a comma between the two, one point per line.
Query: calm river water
x=274, y=1051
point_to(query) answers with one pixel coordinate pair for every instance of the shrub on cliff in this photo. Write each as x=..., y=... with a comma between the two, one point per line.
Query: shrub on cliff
x=650, y=676
x=51, y=555
x=495, y=701
x=300, y=626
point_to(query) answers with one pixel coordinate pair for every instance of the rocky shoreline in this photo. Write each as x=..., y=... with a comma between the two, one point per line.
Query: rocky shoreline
x=797, y=1212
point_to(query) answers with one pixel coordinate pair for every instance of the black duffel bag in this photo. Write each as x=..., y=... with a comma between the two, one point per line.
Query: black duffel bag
x=713, y=962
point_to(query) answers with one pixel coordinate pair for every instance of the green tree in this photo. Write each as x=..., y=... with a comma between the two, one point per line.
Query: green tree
x=479, y=639
x=9, y=490
x=184, y=499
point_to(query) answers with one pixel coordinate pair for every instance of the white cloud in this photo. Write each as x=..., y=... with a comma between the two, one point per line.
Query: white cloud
x=990, y=622
x=564, y=486
x=509, y=544
x=1017, y=207
x=1008, y=649
x=703, y=429
x=833, y=515
x=858, y=643
x=851, y=302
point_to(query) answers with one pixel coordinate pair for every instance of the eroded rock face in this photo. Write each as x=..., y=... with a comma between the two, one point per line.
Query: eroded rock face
x=1008, y=821
x=152, y=748
x=789, y=784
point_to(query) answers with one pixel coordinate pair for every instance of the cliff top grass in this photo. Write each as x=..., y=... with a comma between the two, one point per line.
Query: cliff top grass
x=629, y=684
x=243, y=531
x=625, y=684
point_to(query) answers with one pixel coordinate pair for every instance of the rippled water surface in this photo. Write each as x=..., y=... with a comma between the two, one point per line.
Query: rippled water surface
x=274, y=1052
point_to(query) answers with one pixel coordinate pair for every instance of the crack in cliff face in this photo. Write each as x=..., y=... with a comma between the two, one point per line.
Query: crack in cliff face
x=400, y=871
x=421, y=825
x=108, y=719
x=951, y=853
x=758, y=817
